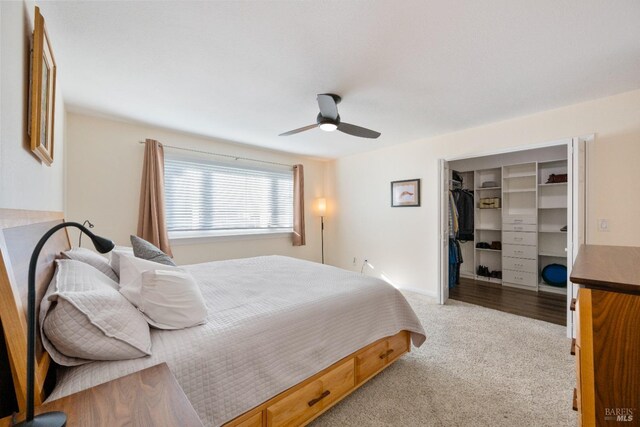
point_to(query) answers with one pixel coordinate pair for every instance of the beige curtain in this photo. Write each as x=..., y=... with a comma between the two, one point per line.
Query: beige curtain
x=152, y=226
x=298, y=206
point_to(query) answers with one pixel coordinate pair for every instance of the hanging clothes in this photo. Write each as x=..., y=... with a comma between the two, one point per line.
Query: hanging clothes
x=455, y=259
x=465, y=206
x=455, y=251
x=453, y=217
x=461, y=224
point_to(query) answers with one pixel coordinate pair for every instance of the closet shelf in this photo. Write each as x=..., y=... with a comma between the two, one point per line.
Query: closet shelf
x=552, y=232
x=487, y=209
x=555, y=207
x=554, y=184
x=553, y=254
x=488, y=188
x=488, y=279
x=551, y=289
x=524, y=190
x=488, y=229
x=488, y=250
x=527, y=175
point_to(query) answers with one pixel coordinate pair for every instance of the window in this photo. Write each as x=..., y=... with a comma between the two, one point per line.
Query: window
x=205, y=197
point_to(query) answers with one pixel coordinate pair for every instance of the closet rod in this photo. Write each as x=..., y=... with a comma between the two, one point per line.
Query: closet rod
x=223, y=155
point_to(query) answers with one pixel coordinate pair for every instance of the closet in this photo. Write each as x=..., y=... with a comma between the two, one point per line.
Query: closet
x=520, y=218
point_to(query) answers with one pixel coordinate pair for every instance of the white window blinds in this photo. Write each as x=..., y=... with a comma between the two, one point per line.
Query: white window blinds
x=209, y=196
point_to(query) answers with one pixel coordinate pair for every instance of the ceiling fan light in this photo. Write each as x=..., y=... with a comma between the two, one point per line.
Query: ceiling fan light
x=328, y=127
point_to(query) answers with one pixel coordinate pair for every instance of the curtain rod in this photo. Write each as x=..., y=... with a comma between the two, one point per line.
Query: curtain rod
x=222, y=155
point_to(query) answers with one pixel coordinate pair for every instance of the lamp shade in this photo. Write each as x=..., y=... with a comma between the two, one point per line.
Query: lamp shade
x=321, y=206
x=101, y=244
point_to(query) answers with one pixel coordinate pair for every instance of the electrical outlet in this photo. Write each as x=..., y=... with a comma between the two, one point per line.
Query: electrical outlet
x=603, y=225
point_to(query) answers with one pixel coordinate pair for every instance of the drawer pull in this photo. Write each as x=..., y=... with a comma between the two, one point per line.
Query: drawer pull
x=318, y=399
x=575, y=399
x=386, y=354
x=573, y=347
x=572, y=307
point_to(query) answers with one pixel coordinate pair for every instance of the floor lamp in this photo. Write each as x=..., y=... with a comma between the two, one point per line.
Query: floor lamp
x=321, y=210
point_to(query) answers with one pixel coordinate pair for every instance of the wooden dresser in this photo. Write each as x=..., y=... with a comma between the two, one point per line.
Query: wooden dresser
x=607, y=343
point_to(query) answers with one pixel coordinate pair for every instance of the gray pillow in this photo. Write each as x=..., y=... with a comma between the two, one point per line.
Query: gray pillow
x=145, y=250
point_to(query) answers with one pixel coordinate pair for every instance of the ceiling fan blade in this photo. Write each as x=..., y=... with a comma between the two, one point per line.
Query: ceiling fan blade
x=357, y=131
x=302, y=129
x=328, y=107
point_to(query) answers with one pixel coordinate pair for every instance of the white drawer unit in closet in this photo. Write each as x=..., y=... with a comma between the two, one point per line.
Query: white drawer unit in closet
x=519, y=238
x=519, y=251
x=520, y=264
x=520, y=278
x=519, y=219
x=520, y=227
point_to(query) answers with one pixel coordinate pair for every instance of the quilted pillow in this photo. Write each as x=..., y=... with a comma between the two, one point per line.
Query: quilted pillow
x=115, y=255
x=168, y=297
x=84, y=318
x=93, y=259
x=145, y=250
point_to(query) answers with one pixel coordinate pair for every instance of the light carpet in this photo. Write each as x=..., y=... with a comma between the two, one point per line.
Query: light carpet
x=478, y=367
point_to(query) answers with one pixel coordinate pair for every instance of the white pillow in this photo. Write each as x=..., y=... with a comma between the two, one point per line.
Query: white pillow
x=168, y=297
x=93, y=259
x=84, y=318
x=115, y=255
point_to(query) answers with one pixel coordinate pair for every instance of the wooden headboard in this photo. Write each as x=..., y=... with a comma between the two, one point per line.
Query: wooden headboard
x=20, y=230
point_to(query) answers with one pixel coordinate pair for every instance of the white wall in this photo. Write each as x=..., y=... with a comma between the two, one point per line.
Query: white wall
x=104, y=170
x=403, y=244
x=25, y=182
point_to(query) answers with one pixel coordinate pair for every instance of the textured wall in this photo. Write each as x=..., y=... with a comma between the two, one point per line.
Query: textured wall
x=25, y=183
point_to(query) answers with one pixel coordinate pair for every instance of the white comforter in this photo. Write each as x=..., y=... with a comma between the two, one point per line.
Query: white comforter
x=273, y=321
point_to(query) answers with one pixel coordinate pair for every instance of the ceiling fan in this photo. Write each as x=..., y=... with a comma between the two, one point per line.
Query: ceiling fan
x=329, y=120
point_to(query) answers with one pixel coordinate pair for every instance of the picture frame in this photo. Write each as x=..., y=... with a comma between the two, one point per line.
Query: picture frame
x=405, y=193
x=42, y=93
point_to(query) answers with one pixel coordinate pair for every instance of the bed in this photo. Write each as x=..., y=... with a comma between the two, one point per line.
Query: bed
x=285, y=339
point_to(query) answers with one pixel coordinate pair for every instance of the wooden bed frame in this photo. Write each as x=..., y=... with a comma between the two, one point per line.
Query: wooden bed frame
x=20, y=230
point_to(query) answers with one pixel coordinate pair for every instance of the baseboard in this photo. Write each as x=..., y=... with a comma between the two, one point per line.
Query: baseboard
x=433, y=295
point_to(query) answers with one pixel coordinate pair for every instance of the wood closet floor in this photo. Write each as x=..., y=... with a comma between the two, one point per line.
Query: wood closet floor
x=535, y=305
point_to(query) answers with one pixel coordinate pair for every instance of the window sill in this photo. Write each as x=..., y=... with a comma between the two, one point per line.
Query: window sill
x=195, y=237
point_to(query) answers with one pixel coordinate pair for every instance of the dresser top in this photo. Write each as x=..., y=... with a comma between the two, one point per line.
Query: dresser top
x=609, y=268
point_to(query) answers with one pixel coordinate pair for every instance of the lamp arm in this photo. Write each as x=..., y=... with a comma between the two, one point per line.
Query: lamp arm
x=31, y=309
x=86, y=221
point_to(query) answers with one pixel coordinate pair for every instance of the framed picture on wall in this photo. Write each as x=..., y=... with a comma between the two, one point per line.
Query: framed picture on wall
x=42, y=92
x=405, y=193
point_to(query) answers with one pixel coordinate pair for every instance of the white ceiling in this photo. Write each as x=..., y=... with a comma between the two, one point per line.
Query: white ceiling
x=246, y=71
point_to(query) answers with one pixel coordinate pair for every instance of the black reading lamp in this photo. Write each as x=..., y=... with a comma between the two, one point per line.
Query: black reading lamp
x=48, y=419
